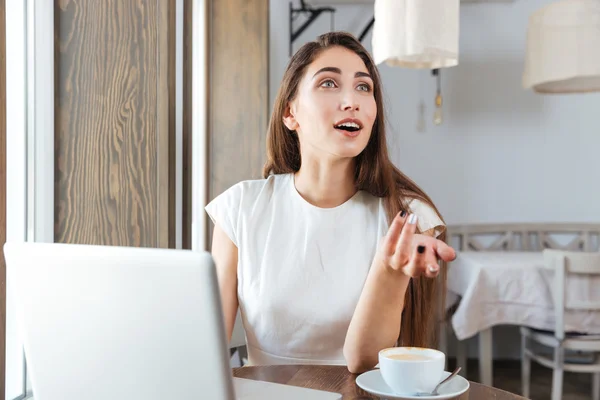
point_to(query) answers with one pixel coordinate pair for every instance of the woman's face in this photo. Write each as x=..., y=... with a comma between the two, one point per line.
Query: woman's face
x=334, y=109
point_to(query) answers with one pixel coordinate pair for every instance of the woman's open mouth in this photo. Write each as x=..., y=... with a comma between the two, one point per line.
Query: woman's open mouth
x=350, y=127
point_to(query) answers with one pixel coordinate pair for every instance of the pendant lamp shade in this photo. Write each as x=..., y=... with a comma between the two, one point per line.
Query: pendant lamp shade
x=416, y=33
x=563, y=48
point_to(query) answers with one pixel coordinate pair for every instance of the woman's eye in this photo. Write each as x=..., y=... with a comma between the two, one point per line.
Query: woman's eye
x=364, y=87
x=328, y=84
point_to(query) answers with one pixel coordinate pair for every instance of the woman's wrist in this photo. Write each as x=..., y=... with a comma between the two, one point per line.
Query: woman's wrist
x=390, y=276
x=380, y=266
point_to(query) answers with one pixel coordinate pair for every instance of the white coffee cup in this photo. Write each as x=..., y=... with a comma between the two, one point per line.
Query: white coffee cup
x=410, y=370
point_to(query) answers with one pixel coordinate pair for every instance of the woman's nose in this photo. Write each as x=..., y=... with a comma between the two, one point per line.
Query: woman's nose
x=349, y=103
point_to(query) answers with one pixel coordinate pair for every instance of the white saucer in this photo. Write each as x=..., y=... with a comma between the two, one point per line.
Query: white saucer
x=373, y=383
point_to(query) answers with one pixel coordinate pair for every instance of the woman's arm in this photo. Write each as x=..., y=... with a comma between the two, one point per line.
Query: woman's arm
x=376, y=321
x=225, y=255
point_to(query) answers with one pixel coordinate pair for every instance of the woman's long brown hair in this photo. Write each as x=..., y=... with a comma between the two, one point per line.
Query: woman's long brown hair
x=375, y=174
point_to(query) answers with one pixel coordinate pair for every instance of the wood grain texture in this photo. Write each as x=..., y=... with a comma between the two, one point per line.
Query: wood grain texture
x=171, y=29
x=239, y=91
x=187, y=128
x=112, y=122
x=2, y=195
x=337, y=379
x=166, y=122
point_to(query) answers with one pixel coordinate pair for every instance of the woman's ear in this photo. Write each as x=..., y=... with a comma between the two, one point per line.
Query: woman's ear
x=289, y=119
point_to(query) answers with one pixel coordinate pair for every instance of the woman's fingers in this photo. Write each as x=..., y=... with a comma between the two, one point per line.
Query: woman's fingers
x=432, y=270
x=415, y=255
x=423, y=262
x=413, y=267
x=389, y=246
x=403, y=251
x=429, y=265
x=407, y=235
x=444, y=251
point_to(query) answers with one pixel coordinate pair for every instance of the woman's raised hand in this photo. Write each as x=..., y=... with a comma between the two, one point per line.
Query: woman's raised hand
x=413, y=254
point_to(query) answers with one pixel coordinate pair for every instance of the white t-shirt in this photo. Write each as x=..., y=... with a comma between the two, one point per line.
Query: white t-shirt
x=301, y=268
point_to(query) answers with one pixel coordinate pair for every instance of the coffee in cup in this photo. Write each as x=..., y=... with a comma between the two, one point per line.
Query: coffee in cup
x=408, y=356
x=410, y=370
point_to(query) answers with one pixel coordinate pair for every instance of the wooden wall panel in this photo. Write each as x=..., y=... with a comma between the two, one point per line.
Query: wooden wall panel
x=172, y=58
x=187, y=128
x=2, y=196
x=113, y=127
x=239, y=91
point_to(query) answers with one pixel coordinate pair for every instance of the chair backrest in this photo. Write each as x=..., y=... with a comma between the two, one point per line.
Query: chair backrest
x=567, y=265
x=525, y=237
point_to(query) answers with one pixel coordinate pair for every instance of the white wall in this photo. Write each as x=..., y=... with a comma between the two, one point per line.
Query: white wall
x=503, y=154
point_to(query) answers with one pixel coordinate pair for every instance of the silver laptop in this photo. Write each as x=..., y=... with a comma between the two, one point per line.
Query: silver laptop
x=101, y=322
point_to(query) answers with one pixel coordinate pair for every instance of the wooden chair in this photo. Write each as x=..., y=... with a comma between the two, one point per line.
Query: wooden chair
x=583, y=237
x=564, y=264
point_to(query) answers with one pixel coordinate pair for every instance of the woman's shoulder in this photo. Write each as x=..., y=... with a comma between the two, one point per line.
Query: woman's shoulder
x=232, y=206
x=251, y=190
x=429, y=221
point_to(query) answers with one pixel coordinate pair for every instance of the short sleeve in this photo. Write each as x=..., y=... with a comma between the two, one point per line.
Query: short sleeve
x=428, y=220
x=224, y=211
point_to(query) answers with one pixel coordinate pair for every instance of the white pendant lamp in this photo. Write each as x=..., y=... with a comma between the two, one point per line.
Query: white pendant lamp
x=563, y=48
x=416, y=33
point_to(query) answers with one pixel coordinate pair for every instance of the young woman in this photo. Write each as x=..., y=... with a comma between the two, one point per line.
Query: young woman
x=335, y=254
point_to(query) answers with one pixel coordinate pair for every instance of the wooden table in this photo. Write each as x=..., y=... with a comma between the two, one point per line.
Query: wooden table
x=339, y=380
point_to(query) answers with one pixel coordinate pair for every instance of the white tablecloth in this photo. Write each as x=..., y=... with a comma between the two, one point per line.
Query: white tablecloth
x=513, y=288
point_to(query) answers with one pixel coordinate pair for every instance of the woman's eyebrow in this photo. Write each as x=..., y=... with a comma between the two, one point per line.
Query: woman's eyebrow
x=336, y=70
x=328, y=69
x=362, y=74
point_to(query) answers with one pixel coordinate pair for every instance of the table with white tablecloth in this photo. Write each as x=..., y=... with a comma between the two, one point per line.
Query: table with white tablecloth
x=511, y=288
